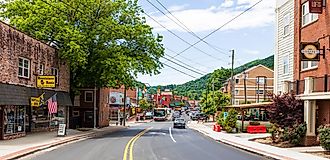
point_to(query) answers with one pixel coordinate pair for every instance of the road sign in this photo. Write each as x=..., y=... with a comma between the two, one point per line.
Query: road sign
x=225, y=114
x=35, y=101
x=46, y=82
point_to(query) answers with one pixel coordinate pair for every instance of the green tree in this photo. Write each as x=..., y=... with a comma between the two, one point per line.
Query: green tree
x=230, y=121
x=145, y=105
x=212, y=103
x=106, y=43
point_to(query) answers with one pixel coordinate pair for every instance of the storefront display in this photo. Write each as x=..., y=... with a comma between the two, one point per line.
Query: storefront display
x=14, y=119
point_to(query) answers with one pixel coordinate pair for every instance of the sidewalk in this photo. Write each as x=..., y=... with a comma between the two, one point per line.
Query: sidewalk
x=245, y=144
x=34, y=142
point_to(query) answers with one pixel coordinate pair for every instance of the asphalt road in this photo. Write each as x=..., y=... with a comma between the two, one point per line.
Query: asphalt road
x=157, y=141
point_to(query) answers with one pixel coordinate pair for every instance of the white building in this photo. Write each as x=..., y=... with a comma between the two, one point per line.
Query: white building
x=284, y=45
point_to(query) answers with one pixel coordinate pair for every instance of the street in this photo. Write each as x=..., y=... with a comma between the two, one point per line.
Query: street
x=156, y=141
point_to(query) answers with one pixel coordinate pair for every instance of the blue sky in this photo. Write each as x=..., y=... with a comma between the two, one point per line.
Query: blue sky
x=251, y=35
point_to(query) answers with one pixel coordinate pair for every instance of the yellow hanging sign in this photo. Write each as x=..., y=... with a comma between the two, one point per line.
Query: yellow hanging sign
x=35, y=101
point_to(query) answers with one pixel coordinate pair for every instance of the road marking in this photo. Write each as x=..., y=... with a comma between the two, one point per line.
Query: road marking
x=129, y=145
x=170, y=130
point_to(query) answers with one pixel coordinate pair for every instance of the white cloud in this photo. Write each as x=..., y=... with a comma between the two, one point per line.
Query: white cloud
x=178, y=7
x=227, y=3
x=251, y=52
x=206, y=19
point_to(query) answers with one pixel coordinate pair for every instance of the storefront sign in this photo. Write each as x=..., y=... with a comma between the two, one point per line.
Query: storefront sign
x=310, y=51
x=35, y=101
x=61, y=130
x=117, y=98
x=46, y=81
x=315, y=6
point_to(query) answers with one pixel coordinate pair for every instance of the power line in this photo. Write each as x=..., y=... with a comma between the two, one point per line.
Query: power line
x=220, y=27
x=184, y=26
x=179, y=70
x=182, y=39
x=184, y=63
x=183, y=66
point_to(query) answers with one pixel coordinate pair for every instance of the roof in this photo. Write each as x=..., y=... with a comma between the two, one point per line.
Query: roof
x=253, y=105
x=254, y=67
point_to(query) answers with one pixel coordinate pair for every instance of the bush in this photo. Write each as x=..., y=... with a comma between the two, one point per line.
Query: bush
x=254, y=123
x=230, y=121
x=325, y=136
x=220, y=119
x=297, y=133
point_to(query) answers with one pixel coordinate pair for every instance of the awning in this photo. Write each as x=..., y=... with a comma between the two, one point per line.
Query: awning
x=253, y=105
x=20, y=95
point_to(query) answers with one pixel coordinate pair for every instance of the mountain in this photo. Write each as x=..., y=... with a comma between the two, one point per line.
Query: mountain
x=195, y=88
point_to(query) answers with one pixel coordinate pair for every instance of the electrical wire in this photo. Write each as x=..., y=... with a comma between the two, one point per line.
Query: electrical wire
x=231, y=20
x=183, y=66
x=184, y=63
x=184, y=27
x=179, y=70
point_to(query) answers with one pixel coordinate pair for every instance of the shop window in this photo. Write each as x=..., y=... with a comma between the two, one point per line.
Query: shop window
x=23, y=67
x=75, y=113
x=286, y=23
x=88, y=96
x=14, y=119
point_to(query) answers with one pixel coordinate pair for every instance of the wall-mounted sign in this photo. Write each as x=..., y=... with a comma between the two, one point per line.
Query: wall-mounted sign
x=35, y=101
x=310, y=51
x=46, y=82
x=118, y=98
x=315, y=6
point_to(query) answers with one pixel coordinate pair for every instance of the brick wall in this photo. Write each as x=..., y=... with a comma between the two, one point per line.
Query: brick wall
x=311, y=33
x=15, y=44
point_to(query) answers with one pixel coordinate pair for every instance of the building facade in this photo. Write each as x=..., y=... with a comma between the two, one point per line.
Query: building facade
x=22, y=59
x=312, y=81
x=284, y=45
x=259, y=85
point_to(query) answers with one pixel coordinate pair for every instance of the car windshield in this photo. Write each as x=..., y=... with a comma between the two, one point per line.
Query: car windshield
x=179, y=120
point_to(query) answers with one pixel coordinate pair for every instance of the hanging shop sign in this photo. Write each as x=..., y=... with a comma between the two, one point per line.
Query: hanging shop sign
x=46, y=82
x=315, y=6
x=310, y=51
x=35, y=101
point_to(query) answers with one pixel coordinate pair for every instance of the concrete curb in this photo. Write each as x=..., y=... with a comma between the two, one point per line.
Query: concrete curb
x=38, y=148
x=245, y=148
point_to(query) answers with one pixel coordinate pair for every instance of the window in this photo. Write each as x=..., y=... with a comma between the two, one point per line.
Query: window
x=24, y=67
x=41, y=69
x=237, y=81
x=236, y=102
x=260, y=80
x=306, y=65
x=286, y=65
x=236, y=92
x=307, y=17
x=88, y=96
x=260, y=91
x=55, y=73
x=286, y=23
x=75, y=113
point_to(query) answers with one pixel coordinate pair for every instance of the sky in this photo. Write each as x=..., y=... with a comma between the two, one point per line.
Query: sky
x=251, y=35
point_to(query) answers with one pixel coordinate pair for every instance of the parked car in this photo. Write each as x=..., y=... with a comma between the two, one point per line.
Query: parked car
x=179, y=123
x=202, y=116
x=148, y=115
x=194, y=116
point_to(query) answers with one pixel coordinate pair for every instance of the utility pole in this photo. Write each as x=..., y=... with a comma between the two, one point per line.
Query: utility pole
x=124, y=117
x=232, y=77
x=94, y=124
x=245, y=96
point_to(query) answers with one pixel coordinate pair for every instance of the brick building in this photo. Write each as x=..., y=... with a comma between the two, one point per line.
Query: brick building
x=163, y=99
x=259, y=84
x=22, y=59
x=312, y=81
x=109, y=106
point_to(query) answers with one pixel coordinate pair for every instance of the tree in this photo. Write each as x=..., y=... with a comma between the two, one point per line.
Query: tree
x=145, y=105
x=106, y=43
x=218, y=77
x=215, y=102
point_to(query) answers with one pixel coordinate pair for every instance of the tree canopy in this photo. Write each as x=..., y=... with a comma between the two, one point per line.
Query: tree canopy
x=212, y=102
x=106, y=43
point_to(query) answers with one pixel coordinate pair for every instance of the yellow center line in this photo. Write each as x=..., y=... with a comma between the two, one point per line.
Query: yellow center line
x=129, y=145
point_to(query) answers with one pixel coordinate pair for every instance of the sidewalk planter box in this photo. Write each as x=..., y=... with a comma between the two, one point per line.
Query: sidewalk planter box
x=256, y=129
x=217, y=128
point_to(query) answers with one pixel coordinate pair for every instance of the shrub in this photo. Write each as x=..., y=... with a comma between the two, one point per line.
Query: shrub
x=220, y=119
x=297, y=133
x=253, y=123
x=325, y=136
x=230, y=121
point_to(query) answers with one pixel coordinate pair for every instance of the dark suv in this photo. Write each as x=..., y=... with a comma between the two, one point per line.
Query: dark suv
x=202, y=116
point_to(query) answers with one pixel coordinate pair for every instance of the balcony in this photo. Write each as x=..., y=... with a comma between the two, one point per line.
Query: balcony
x=310, y=87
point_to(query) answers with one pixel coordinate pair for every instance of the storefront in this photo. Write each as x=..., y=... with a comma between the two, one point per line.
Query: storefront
x=17, y=116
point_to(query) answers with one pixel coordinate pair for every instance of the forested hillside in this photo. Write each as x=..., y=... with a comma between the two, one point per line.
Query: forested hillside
x=195, y=88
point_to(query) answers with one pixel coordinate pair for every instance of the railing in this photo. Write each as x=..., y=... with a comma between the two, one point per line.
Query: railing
x=319, y=84
x=300, y=87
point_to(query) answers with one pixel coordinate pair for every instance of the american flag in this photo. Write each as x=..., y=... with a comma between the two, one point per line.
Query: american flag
x=52, y=104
